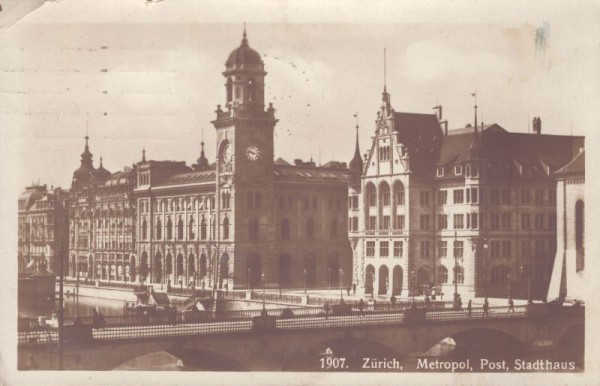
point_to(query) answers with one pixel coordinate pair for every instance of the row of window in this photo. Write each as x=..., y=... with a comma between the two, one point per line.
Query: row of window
x=180, y=229
x=497, y=248
x=459, y=196
x=333, y=203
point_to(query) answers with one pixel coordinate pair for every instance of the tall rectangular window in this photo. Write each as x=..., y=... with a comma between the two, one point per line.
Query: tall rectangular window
x=458, y=196
x=458, y=221
x=443, y=246
x=370, y=248
x=474, y=195
x=525, y=221
x=424, y=248
x=400, y=221
x=385, y=222
x=539, y=197
x=424, y=222
x=384, y=249
x=442, y=197
x=474, y=218
x=506, y=248
x=424, y=198
x=398, y=248
x=495, y=248
x=443, y=221
x=506, y=196
x=372, y=223
x=458, y=248
x=539, y=221
x=525, y=199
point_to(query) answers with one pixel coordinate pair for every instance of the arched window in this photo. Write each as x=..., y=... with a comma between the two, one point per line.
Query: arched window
x=144, y=230
x=223, y=268
x=179, y=268
x=212, y=228
x=180, y=229
x=422, y=276
x=203, y=228
x=285, y=229
x=310, y=229
x=191, y=264
x=371, y=195
x=191, y=234
x=169, y=229
x=229, y=89
x=443, y=275
x=225, y=228
x=333, y=229
x=157, y=267
x=369, y=279
x=399, y=193
x=251, y=90
x=169, y=265
x=384, y=194
x=132, y=270
x=579, y=235
x=158, y=229
x=253, y=229
x=202, y=265
x=144, y=266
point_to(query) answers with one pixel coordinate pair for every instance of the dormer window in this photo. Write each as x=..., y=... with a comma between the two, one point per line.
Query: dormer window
x=440, y=171
x=458, y=170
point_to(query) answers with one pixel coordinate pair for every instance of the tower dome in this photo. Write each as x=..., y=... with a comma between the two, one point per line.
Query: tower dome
x=244, y=57
x=86, y=167
x=101, y=173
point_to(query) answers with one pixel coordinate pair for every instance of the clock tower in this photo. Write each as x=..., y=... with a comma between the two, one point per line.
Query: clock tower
x=244, y=173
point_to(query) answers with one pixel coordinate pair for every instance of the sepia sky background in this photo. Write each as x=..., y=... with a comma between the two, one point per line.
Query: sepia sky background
x=141, y=74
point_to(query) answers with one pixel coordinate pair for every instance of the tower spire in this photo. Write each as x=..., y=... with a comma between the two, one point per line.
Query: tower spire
x=384, y=70
x=143, y=154
x=244, y=36
x=474, y=95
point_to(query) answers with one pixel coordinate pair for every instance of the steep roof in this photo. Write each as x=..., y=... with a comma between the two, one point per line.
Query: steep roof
x=422, y=135
x=500, y=146
x=576, y=166
x=304, y=174
x=195, y=177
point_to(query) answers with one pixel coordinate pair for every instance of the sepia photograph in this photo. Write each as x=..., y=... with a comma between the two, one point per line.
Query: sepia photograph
x=296, y=190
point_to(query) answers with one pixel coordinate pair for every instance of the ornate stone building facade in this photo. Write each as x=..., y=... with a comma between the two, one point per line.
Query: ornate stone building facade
x=247, y=218
x=101, y=223
x=434, y=208
x=43, y=229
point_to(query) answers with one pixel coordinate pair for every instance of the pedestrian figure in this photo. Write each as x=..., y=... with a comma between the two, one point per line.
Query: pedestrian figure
x=95, y=319
x=354, y=288
x=101, y=321
x=427, y=301
x=361, y=306
x=511, y=305
x=469, y=307
x=327, y=309
x=486, y=307
x=459, y=303
x=393, y=301
x=348, y=290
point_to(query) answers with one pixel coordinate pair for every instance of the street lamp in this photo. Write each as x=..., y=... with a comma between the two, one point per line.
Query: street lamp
x=485, y=278
x=329, y=272
x=508, y=284
x=529, y=301
x=412, y=276
x=455, y=271
x=341, y=286
x=305, y=280
x=249, y=273
x=262, y=276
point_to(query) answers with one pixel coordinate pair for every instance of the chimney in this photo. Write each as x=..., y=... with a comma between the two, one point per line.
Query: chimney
x=439, y=111
x=537, y=125
x=445, y=123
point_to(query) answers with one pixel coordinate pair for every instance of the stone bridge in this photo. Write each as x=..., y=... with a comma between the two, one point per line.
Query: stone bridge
x=297, y=349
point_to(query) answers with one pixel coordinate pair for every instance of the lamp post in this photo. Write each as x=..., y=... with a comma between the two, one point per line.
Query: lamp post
x=329, y=272
x=485, y=278
x=305, y=280
x=412, y=276
x=249, y=272
x=341, y=272
x=262, y=277
x=455, y=252
x=77, y=295
x=508, y=284
x=529, y=301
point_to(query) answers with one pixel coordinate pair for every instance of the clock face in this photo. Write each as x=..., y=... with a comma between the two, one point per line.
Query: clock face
x=253, y=153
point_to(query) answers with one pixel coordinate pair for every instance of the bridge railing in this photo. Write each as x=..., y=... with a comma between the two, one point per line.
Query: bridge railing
x=477, y=312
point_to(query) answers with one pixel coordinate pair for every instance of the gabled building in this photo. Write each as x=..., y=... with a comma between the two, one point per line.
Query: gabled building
x=431, y=208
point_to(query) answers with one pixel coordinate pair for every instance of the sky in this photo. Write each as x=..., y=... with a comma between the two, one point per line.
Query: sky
x=138, y=74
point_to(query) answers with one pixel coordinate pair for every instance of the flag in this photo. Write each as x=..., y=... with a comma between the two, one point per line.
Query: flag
x=474, y=93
